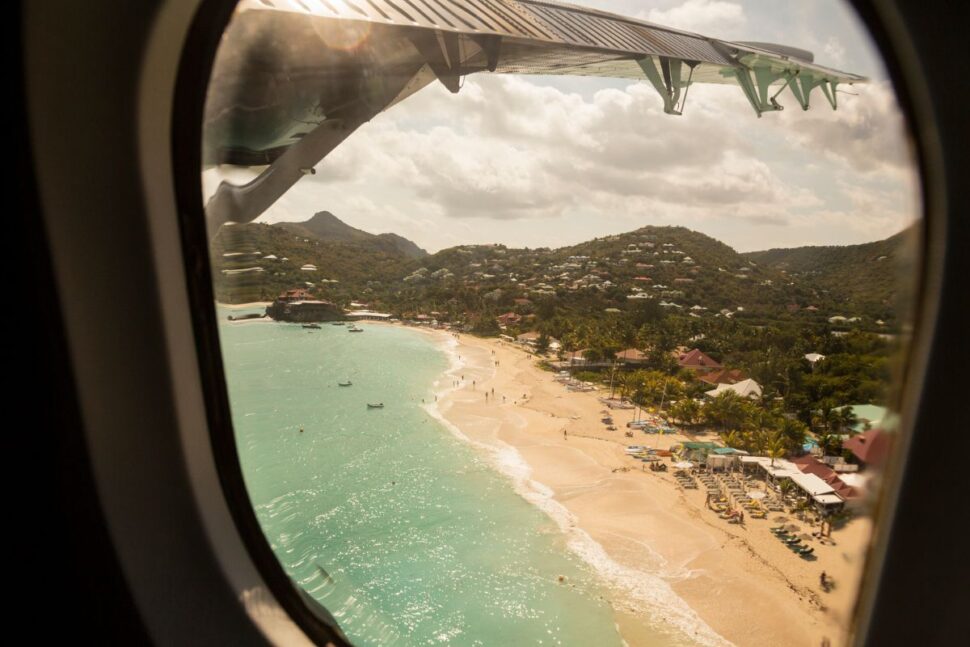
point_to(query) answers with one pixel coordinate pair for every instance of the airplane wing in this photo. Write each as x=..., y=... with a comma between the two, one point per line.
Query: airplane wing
x=294, y=78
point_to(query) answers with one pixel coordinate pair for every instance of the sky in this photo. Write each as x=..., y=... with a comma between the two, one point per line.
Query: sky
x=551, y=161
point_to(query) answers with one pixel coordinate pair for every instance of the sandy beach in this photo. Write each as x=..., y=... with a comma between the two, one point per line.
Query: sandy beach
x=669, y=560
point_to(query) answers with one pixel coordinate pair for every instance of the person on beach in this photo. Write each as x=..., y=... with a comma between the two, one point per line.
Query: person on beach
x=564, y=434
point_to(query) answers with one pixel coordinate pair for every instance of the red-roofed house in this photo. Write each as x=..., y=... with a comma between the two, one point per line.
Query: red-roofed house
x=508, y=319
x=696, y=360
x=724, y=376
x=811, y=465
x=298, y=294
x=870, y=447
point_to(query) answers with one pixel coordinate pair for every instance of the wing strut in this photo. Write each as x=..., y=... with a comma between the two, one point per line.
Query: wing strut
x=668, y=87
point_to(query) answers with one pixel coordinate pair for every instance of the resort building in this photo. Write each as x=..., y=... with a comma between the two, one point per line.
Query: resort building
x=745, y=388
x=870, y=447
x=722, y=376
x=696, y=360
x=369, y=315
x=824, y=495
x=299, y=305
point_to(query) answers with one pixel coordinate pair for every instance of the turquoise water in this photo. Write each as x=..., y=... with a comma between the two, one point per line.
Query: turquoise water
x=419, y=540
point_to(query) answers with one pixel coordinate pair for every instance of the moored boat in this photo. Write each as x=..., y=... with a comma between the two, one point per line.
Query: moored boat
x=379, y=405
x=347, y=383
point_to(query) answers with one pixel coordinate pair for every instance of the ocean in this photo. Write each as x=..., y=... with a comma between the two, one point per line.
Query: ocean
x=407, y=534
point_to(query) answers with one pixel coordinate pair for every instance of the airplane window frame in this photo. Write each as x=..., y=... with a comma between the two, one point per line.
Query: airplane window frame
x=193, y=81
x=910, y=40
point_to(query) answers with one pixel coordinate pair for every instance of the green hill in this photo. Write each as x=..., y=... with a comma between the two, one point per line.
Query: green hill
x=327, y=227
x=256, y=262
x=673, y=270
x=871, y=279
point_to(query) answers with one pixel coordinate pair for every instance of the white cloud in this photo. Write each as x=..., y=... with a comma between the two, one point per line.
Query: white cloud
x=708, y=17
x=512, y=160
x=834, y=52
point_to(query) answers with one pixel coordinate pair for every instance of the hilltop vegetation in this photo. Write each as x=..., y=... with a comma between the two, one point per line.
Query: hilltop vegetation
x=680, y=271
x=655, y=289
x=327, y=227
x=872, y=278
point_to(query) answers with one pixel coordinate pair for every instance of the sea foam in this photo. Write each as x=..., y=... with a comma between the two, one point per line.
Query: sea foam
x=647, y=593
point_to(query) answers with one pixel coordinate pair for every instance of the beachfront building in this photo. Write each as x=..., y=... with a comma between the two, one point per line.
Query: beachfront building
x=696, y=452
x=870, y=448
x=812, y=480
x=745, y=388
x=299, y=305
x=368, y=315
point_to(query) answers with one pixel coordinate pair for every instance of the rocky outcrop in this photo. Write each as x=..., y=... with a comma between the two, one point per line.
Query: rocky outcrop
x=304, y=311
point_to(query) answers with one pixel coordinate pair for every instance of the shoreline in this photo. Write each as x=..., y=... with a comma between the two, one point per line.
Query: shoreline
x=671, y=565
x=243, y=306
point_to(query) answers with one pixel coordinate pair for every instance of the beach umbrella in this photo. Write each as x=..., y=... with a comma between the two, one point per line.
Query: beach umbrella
x=793, y=527
x=756, y=494
x=684, y=465
x=780, y=519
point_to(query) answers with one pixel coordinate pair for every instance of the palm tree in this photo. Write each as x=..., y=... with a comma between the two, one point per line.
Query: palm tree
x=776, y=447
x=732, y=439
x=844, y=418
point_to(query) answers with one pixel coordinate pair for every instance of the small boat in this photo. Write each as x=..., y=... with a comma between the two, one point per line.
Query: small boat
x=379, y=405
x=354, y=328
x=347, y=383
x=337, y=323
x=312, y=325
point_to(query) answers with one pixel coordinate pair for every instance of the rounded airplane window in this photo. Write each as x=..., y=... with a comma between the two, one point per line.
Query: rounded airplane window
x=545, y=323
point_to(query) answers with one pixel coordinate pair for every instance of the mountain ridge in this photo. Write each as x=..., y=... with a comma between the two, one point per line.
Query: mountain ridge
x=676, y=269
x=325, y=226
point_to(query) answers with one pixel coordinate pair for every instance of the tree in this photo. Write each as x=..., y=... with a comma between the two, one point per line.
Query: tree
x=687, y=411
x=542, y=343
x=776, y=447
